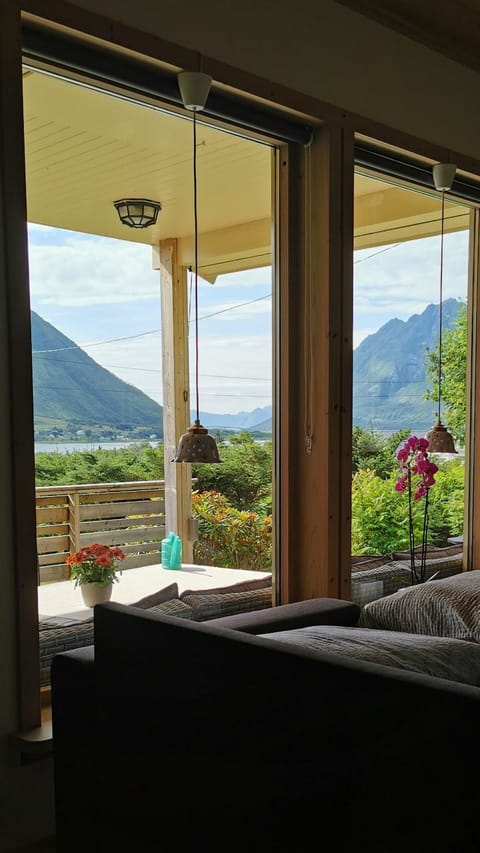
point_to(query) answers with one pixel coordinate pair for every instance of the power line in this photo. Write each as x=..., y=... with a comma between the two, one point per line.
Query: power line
x=152, y=332
x=374, y=255
x=154, y=369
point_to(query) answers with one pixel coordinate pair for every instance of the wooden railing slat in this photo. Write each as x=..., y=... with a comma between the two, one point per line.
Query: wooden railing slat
x=57, y=513
x=45, y=530
x=121, y=537
x=121, y=509
x=119, y=523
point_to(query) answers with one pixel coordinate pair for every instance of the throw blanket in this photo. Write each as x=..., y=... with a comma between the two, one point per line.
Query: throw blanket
x=442, y=657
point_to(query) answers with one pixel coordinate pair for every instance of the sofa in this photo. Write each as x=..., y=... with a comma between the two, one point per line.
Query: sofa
x=171, y=734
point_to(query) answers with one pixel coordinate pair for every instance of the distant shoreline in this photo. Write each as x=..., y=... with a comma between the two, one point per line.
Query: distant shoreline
x=90, y=446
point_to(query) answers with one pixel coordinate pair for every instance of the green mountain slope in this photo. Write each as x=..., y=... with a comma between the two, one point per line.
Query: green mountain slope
x=389, y=371
x=70, y=386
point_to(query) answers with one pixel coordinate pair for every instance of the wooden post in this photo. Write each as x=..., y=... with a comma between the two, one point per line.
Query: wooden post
x=315, y=368
x=471, y=526
x=74, y=521
x=176, y=391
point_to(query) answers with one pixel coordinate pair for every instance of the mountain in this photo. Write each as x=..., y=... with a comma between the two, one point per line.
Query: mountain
x=70, y=386
x=389, y=371
x=242, y=420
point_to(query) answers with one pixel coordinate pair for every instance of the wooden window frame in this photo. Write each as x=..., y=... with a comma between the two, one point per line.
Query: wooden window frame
x=312, y=489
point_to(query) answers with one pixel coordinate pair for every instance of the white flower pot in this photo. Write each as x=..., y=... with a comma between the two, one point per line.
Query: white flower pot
x=95, y=593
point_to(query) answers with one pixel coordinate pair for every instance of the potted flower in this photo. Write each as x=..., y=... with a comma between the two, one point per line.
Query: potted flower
x=416, y=478
x=94, y=569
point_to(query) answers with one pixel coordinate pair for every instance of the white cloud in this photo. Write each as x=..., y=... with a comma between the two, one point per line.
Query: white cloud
x=81, y=272
x=404, y=280
x=235, y=372
x=236, y=310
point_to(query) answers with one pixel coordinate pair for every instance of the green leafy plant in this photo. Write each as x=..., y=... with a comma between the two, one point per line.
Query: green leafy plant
x=95, y=564
x=230, y=537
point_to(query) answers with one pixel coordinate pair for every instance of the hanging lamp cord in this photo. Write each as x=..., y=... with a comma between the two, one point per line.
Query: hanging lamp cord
x=440, y=310
x=195, y=252
x=308, y=330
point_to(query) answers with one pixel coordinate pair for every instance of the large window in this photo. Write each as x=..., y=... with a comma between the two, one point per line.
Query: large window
x=114, y=345
x=395, y=373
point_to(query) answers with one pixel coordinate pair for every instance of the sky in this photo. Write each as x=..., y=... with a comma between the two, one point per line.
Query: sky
x=103, y=294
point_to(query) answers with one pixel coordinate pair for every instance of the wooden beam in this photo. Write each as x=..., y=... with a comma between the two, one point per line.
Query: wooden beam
x=17, y=499
x=176, y=393
x=316, y=361
x=471, y=528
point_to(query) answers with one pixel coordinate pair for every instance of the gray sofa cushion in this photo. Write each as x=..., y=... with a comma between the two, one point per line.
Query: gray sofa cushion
x=455, y=660
x=449, y=607
x=166, y=594
x=223, y=601
x=174, y=607
x=61, y=639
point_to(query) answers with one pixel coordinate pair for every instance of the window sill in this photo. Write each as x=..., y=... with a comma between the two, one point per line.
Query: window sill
x=35, y=744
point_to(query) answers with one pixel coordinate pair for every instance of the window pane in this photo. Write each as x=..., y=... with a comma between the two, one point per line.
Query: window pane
x=395, y=379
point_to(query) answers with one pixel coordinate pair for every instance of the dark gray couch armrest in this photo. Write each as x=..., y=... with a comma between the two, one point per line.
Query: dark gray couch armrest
x=74, y=733
x=299, y=614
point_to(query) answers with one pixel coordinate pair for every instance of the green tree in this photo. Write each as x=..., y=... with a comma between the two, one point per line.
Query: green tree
x=372, y=452
x=244, y=476
x=454, y=375
x=140, y=462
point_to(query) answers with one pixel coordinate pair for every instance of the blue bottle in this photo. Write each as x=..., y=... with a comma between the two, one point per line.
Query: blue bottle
x=166, y=550
x=176, y=553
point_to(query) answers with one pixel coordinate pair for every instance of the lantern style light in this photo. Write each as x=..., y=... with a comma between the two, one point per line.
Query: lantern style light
x=137, y=212
x=440, y=440
x=195, y=445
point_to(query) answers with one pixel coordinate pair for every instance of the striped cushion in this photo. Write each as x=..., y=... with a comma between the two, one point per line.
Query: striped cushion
x=62, y=639
x=449, y=607
x=175, y=607
x=224, y=601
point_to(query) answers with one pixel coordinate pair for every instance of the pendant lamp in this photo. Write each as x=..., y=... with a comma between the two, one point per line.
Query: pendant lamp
x=440, y=440
x=195, y=445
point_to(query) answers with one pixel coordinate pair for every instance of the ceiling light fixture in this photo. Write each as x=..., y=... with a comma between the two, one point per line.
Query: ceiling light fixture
x=195, y=445
x=137, y=212
x=440, y=440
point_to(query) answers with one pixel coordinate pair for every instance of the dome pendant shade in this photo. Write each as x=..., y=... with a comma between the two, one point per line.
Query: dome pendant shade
x=440, y=440
x=196, y=445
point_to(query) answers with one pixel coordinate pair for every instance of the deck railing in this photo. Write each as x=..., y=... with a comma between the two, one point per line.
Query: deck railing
x=131, y=515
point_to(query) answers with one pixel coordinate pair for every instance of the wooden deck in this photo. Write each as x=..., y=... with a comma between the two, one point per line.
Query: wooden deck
x=61, y=598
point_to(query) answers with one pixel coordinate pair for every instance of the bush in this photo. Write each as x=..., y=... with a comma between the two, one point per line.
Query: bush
x=230, y=537
x=380, y=515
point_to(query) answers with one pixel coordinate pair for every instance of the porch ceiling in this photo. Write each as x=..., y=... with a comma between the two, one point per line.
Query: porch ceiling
x=85, y=149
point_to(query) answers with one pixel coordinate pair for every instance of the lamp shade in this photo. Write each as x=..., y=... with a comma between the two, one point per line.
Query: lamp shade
x=196, y=445
x=440, y=440
x=137, y=212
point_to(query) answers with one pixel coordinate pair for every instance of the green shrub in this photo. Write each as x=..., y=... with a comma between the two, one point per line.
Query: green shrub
x=230, y=537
